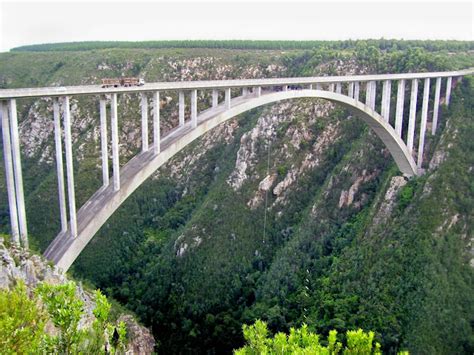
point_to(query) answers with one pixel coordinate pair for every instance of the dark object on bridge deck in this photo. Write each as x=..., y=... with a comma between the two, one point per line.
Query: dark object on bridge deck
x=126, y=82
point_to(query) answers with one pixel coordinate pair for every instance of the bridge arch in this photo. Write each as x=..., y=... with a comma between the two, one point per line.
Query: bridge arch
x=64, y=250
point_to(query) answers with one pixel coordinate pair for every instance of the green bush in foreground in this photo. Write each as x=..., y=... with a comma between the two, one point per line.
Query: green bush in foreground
x=303, y=341
x=23, y=318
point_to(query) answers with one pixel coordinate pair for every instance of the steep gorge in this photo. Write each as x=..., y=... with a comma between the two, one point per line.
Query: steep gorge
x=346, y=243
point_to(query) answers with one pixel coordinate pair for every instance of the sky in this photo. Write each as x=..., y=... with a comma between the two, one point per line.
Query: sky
x=32, y=22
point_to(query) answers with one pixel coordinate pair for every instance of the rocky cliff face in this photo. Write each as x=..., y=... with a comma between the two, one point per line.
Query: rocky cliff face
x=19, y=264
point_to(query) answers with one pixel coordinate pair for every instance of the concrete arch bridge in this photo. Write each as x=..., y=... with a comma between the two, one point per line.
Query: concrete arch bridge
x=356, y=93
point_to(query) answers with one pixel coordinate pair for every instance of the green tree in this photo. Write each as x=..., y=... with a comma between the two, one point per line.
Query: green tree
x=303, y=341
x=65, y=311
x=21, y=321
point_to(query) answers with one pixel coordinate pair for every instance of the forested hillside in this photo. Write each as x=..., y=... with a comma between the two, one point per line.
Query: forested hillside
x=292, y=213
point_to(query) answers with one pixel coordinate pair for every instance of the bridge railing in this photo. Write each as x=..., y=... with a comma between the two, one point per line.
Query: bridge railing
x=385, y=94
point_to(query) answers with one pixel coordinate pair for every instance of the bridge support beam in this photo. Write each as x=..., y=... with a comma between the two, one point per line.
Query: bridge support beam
x=20, y=200
x=144, y=105
x=331, y=87
x=103, y=141
x=215, y=98
x=449, y=84
x=319, y=86
x=59, y=164
x=356, y=90
x=310, y=87
x=350, y=90
x=338, y=88
x=424, y=117
x=69, y=167
x=400, y=104
x=245, y=91
x=259, y=91
x=156, y=122
x=370, y=91
x=115, y=146
x=181, y=107
x=7, y=154
x=227, y=98
x=194, y=108
x=412, y=117
x=386, y=92
x=436, y=106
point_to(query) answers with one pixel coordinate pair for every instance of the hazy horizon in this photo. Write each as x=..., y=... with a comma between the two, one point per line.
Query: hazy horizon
x=27, y=23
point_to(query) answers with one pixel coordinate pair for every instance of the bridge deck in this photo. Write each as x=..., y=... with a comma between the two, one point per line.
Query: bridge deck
x=217, y=84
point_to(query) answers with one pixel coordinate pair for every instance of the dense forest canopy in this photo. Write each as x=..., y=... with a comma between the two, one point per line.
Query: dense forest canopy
x=383, y=44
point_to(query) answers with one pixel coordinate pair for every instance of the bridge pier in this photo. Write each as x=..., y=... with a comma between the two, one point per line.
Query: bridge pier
x=227, y=98
x=412, y=116
x=424, y=117
x=350, y=90
x=69, y=166
x=436, y=106
x=370, y=91
x=144, y=105
x=18, y=174
x=215, y=98
x=156, y=122
x=194, y=108
x=356, y=90
x=103, y=140
x=181, y=108
x=59, y=163
x=449, y=84
x=399, y=109
x=7, y=155
x=386, y=92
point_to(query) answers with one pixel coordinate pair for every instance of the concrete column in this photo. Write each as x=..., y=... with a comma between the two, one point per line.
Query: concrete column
x=449, y=84
x=245, y=91
x=194, y=108
x=69, y=168
x=373, y=95
x=350, y=90
x=144, y=105
x=310, y=87
x=215, y=98
x=20, y=200
x=412, y=117
x=338, y=88
x=259, y=91
x=400, y=104
x=319, y=86
x=103, y=141
x=59, y=164
x=7, y=154
x=386, y=92
x=156, y=122
x=115, y=144
x=424, y=117
x=356, y=90
x=284, y=88
x=227, y=98
x=181, y=108
x=368, y=93
x=436, y=106
x=331, y=87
